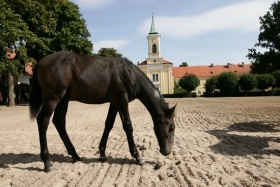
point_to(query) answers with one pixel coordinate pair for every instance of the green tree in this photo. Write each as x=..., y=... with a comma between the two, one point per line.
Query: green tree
x=14, y=34
x=35, y=28
x=178, y=89
x=108, y=52
x=189, y=83
x=227, y=81
x=71, y=31
x=247, y=82
x=184, y=64
x=276, y=75
x=41, y=20
x=58, y=24
x=211, y=84
x=265, y=81
x=268, y=61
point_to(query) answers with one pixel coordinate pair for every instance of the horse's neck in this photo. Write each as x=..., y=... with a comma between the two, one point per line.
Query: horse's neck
x=149, y=95
x=152, y=100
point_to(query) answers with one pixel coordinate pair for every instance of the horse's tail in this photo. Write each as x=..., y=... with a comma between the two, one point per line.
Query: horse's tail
x=36, y=97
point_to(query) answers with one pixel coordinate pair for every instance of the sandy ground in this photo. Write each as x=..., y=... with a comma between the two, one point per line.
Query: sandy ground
x=218, y=142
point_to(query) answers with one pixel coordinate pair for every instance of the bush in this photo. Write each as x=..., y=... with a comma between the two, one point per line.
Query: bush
x=247, y=82
x=265, y=81
x=189, y=83
x=210, y=85
x=276, y=75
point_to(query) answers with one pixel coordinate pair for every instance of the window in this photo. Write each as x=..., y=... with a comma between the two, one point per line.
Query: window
x=155, y=77
x=154, y=48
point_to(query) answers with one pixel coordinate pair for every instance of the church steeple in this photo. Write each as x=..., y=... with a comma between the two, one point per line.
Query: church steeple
x=154, y=45
x=153, y=27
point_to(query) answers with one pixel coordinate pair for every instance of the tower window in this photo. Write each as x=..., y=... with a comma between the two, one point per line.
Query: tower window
x=155, y=77
x=154, y=48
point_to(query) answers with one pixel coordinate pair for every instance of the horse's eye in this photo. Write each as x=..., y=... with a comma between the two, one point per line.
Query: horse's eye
x=171, y=128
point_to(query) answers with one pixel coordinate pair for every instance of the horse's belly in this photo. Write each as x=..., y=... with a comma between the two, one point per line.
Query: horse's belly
x=90, y=100
x=93, y=96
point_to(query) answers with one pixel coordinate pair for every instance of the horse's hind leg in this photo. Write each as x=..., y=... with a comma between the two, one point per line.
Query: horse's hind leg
x=108, y=127
x=43, y=119
x=59, y=120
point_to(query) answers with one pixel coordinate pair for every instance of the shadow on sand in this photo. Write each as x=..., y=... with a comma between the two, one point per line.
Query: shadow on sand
x=250, y=144
x=24, y=158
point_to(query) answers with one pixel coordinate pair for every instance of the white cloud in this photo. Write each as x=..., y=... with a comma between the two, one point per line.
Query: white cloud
x=242, y=17
x=89, y=4
x=116, y=44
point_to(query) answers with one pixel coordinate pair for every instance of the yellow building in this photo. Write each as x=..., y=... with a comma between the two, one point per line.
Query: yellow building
x=158, y=70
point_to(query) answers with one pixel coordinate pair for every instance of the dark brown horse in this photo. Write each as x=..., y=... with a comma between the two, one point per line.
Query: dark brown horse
x=95, y=80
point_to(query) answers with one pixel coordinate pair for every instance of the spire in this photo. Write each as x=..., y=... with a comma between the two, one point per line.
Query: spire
x=153, y=27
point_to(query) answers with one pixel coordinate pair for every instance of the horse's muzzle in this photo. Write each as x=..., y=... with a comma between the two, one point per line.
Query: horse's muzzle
x=164, y=152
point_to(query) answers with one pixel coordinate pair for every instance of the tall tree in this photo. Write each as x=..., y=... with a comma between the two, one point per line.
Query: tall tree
x=71, y=32
x=268, y=61
x=14, y=34
x=35, y=28
x=58, y=24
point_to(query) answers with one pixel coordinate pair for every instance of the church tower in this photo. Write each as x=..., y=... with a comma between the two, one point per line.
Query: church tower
x=158, y=70
x=153, y=45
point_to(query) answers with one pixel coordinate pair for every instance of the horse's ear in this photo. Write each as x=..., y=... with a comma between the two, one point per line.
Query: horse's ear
x=170, y=112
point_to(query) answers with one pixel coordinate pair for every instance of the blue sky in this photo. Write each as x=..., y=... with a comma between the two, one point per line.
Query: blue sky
x=198, y=32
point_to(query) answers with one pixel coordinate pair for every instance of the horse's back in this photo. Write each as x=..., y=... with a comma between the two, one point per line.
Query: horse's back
x=88, y=79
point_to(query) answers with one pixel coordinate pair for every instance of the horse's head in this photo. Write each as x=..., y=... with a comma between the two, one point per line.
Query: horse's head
x=164, y=129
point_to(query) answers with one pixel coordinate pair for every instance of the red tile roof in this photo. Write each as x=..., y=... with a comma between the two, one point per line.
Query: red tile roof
x=209, y=71
x=10, y=54
x=28, y=68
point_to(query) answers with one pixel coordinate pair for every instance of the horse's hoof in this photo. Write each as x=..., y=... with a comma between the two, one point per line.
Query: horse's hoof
x=77, y=159
x=140, y=162
x=103, y=159
x=47, y=169
x=48, y=166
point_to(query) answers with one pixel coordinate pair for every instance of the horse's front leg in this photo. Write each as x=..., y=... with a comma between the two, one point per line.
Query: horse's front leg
x=111, y=116
x=127, y=126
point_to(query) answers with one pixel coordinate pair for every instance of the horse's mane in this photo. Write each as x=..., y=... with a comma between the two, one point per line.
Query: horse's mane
x=142, y=76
